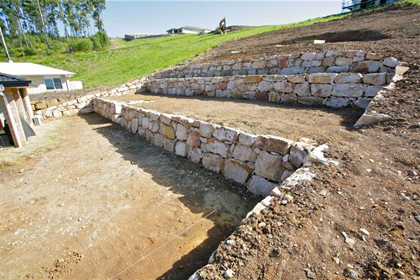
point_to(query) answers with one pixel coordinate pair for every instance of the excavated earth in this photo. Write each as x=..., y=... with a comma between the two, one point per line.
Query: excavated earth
x=372, y=196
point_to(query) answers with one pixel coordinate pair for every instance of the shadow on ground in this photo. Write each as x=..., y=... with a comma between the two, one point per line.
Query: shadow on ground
x=202, y=191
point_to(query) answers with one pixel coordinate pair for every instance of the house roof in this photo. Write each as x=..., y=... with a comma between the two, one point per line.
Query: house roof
x=30, y=69
x=13, y=81
x=193, y=28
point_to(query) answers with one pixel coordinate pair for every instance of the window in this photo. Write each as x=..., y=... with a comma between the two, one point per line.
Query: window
x=53, y=83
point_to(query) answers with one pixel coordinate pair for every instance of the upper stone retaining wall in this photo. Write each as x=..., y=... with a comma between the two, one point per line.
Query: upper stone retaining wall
x=334, y=61
x=330, y=89
x=261, y=162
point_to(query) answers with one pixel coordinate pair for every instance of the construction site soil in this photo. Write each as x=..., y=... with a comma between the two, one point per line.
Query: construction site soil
x=372, y=196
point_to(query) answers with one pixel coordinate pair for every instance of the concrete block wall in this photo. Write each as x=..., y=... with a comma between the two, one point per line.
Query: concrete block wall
x=330, y=89
x=333, y=61
x=259, y=162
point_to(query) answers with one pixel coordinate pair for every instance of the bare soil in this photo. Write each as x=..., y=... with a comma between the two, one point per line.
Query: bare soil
x=375, y=187
x=258, y=117
x=105, y=204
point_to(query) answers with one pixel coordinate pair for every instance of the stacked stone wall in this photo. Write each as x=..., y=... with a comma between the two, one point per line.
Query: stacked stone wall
x=260, y=162
x=333, y=61
x=330, y=89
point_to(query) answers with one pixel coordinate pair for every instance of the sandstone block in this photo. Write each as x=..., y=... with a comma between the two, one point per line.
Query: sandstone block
x=181, y=132
x=259, y=64
x=252, y=79
x=391, y=62
x=246, y=139
x=308, y=56
x=348, y=90
x=302, y=89
x=297, y=154
x=328, y=61
x=157, y=140
x=236, y=170
x=338, y=102
x=321, y=90
x=274, y=96
x=195, y=154
x=343, y=61
x=371, y=91
x=154, y=126
x=292, y=71
x=335, y=53
x=168, y=144
x=338, y=69
x=365, y=66
x=322, y=78
x=181, y=148
x=289, y=98
x=212, y=162
x=286, y=174
x=310, y=100
x=376, y=79
x=273, y=144
x=265, y=86
x=269, y=166
x=244, y=153
x=225, y=134
x=215, y=147
x=345, y=78
x=145, y=122
x=167, y=131
x=374, y=56
x=296, y=79
x=134, y=125
x=283, y=87
x=41, y=105
x=260, y=186
x=206, y=129
x=193, y=139
x=312, y=63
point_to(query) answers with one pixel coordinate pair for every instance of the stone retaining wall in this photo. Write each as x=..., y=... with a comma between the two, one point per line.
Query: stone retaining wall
x=330, y=89
x=260, y=162
x=333, y=61
x=82, y=105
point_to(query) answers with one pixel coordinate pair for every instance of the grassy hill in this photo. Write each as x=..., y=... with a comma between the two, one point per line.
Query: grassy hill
x=130, y=60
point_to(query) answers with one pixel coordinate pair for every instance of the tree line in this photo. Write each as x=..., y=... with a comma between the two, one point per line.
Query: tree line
x=27, y=22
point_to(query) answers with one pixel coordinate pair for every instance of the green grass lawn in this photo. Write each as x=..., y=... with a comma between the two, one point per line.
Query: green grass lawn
x=131, y=60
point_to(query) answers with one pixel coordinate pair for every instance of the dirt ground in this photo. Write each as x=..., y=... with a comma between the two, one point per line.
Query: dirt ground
x=258, y=117
x=372, y=197
x=105, y=204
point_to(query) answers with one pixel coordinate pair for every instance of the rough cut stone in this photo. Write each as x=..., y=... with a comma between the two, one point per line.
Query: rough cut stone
x=244, y=153
x=283, y=87
x=321, y=90
x=181, y=132
x=371, y=91
x=289, y=98
x=195, y=154
x=343, y=61
x=348, y=90
x=296, y=79
x=374, y=56
x=212, y=162
x=274, y=96
x=322, y=78
x=308, y=56
x=338, y=69
x=345, y=78
x=181, y=148
x=168, y=144
x=167, y=131
x=225, y=134
x=134, y=125
x=260, y=186
x=252, y=79
x=337, y=102
x=246, y=139
x=376, y=79
x=265, y=86
x=193, y=139
x=236, y=170
x=273, y=144
x=286, y=174
x=269, y=166
x=391, y=62
x=297, y=154
x=206, y=129
x=302, y=89
x=158, y=140
x=310, y=100
x=366, y=66
x=216, y=147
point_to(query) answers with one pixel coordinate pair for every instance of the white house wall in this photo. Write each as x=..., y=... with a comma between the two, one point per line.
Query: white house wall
x=38, y=84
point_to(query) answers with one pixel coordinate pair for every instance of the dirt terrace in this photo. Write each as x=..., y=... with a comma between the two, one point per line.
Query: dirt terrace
x=104, y=203
x=257, y=117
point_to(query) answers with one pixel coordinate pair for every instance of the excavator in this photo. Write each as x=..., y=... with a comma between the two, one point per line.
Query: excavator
x=222, y=27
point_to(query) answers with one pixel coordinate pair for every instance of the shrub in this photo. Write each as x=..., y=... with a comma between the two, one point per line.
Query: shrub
x=81, y=45
x=96, y=43
x=103, y=39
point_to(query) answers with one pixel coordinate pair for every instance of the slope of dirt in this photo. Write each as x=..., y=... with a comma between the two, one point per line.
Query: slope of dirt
x=393, y=30
x=106, y=203
x=258, y=117
x=372, y=197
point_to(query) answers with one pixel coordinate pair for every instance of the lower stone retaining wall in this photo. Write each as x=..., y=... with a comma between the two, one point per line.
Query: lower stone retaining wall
x=84, y=104
x=330, y=89
x=260, y=162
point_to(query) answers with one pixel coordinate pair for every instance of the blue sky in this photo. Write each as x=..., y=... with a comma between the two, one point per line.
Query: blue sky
x=155, y=17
